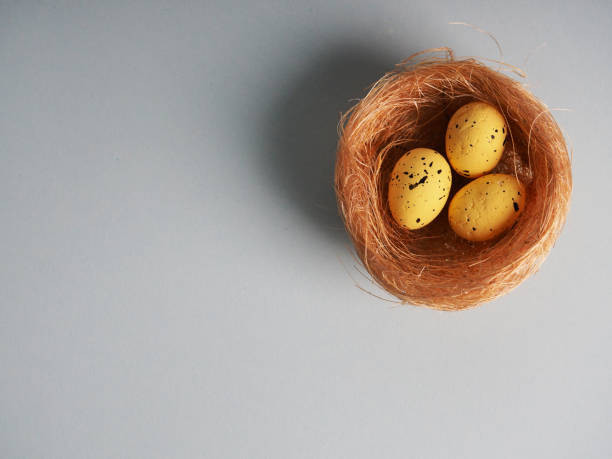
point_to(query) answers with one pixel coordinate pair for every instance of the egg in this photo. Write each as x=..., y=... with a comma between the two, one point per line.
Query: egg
x=486, y=207
x=419, y=187
x=475, y=139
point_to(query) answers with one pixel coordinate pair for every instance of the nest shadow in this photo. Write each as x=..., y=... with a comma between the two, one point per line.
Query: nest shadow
x=301, y=130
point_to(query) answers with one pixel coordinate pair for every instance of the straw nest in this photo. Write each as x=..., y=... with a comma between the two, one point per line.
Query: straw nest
x=410, y=107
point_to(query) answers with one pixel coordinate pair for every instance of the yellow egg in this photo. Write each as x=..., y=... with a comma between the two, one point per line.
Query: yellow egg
x=475, y=139
x=419, y=187
x=486, y=207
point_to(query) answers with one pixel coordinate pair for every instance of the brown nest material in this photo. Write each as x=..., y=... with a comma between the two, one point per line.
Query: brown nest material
x=410, y=107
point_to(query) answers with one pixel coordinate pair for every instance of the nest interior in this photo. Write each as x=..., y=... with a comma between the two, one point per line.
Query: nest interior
x=410, y=107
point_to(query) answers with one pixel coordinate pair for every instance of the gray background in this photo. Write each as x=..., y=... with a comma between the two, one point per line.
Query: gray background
x=175, y=281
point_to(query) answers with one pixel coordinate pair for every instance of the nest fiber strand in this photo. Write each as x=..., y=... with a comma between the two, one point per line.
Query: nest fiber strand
x=410, y=107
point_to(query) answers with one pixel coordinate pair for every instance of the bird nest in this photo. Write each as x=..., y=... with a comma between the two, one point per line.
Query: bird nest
x=410, y=107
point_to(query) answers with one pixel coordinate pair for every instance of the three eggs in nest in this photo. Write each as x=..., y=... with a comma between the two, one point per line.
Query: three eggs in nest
x=421, y=179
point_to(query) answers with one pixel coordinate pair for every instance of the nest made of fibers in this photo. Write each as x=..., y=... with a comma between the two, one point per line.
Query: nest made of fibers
x=410, y=107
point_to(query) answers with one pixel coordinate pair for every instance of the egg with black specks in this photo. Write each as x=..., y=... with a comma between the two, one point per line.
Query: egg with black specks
x=419, y=187
x=475, y=139
x=486, y=207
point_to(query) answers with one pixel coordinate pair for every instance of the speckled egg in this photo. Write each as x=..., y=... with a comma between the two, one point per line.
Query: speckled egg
x=419, y=187
x=486, y=207
x=475, y=139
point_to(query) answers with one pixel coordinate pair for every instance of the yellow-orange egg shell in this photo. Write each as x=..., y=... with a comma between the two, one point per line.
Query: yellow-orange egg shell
x=475, y=139
x=419, y=187
x=486, y=207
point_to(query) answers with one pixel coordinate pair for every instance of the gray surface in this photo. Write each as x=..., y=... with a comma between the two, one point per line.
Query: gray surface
x=174, y=279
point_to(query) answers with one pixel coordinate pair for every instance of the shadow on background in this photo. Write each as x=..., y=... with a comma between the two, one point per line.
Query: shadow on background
x=301, y=129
